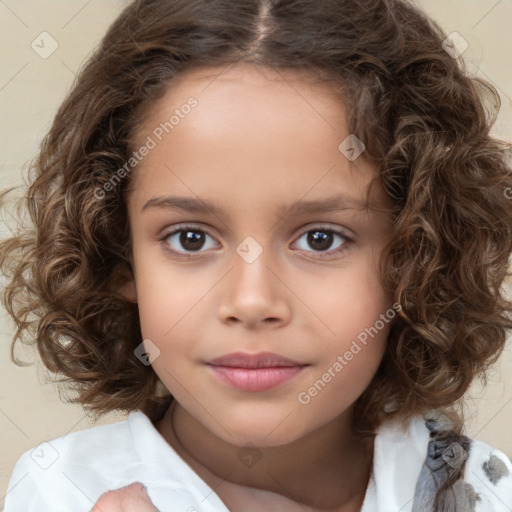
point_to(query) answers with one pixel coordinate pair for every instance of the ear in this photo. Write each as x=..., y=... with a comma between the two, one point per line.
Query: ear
x=123, y=280
x=128, y=290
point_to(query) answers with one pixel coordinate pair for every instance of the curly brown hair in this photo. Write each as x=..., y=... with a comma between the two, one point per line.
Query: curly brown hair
x=425, y=124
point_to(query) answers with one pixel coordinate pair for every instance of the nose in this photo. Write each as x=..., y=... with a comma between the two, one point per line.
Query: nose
x=254, y=296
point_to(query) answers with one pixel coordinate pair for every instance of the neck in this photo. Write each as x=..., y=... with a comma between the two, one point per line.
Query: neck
x=326, y=468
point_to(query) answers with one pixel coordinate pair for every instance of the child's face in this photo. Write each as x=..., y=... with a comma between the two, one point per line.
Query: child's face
x=254, y=144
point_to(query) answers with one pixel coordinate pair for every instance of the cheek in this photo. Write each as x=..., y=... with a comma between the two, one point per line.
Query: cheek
x=167, y=296
x=349, y=364
x=348, y=302
x=171, y=306
x=357, y=314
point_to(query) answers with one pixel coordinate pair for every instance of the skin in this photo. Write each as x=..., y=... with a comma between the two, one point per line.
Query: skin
x=133, y=498
x=258, y=139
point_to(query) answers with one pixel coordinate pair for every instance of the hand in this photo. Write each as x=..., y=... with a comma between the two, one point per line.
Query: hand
x=132, y=498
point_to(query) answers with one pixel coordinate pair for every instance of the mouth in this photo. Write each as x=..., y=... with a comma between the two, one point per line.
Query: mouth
x=255, y=372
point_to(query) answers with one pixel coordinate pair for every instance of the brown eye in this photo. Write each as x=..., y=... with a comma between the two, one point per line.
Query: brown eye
x=191, y=240
x=322, y=240
x=185, y=239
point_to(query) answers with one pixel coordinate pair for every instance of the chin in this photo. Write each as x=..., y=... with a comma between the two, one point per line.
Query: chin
x=263, y=432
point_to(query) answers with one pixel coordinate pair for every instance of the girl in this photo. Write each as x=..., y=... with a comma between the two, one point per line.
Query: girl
x=276, y=233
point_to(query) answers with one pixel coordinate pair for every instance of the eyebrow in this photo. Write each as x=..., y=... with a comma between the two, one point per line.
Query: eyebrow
x=338, y=202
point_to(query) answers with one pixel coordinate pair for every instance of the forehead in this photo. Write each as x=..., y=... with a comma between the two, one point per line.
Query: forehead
x=254, y=131
x=242, y=93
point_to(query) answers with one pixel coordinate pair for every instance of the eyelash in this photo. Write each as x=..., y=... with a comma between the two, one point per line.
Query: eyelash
x=195, y=229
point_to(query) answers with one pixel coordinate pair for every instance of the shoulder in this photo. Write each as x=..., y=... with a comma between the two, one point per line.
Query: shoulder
x=420, y=460
x=70, y=473
x=489, y=472
x=69, y=469
x=462, y=473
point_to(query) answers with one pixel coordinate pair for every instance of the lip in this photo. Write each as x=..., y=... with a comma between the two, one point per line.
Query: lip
x=260, y=360
x=255, y=372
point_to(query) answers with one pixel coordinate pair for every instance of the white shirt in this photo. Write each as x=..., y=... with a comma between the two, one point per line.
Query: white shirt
x=70, y=473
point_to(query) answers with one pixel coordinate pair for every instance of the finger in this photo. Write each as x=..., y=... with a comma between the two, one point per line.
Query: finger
x=133, y=498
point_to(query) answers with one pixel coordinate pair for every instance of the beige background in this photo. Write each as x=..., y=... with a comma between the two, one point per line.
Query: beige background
x=31, y=88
